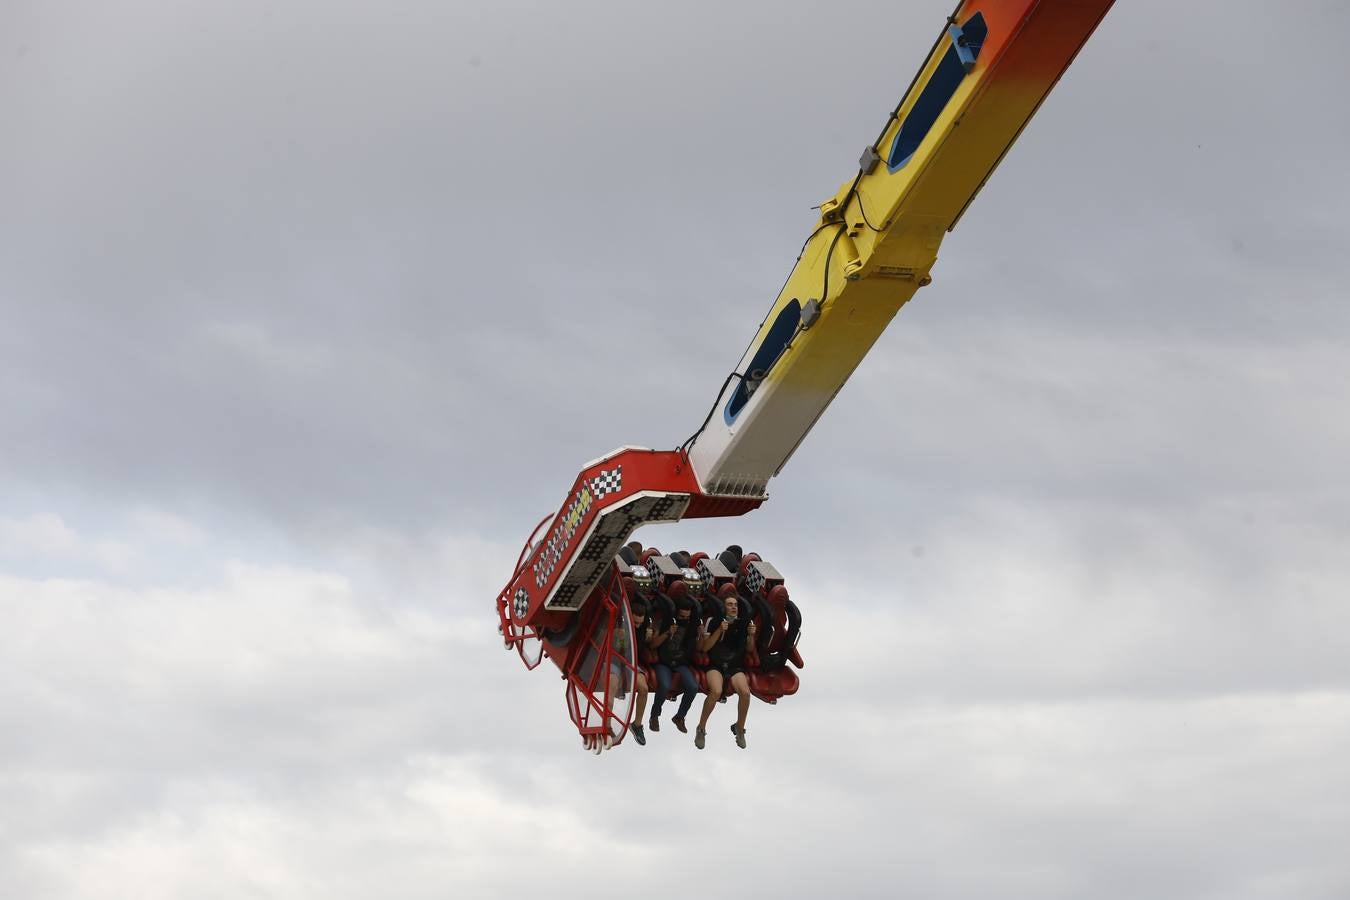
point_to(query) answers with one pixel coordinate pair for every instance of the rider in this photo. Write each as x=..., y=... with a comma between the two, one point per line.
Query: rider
x=725, y=646
x=642, y=634
x=675, y=650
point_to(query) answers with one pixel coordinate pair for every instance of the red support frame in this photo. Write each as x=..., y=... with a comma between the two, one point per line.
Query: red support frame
x=565, y=599
x=523, y=636
x=601, y=668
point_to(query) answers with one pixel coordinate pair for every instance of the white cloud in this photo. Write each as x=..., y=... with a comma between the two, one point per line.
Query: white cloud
x=41, y=533
x=164, y=527
x=46, y=538
x=284, y=731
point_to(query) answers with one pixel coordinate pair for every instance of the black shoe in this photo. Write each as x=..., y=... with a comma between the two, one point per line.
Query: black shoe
x=654, y=723
x=636, y=730
x=679, y=724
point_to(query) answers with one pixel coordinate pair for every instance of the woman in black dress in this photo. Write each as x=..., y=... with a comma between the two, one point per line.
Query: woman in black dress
x=725, y=646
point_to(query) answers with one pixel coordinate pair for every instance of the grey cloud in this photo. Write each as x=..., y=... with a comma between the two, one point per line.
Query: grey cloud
x=443, y=239
x=448, y=236
x=355, y=294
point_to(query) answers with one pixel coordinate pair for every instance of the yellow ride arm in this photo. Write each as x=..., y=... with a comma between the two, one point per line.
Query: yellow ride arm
x=878, y=236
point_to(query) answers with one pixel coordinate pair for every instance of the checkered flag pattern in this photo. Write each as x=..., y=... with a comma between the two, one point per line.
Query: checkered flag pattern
x=608, y=481
x=521, y=603
x=544, y=567
x=705, y=572
x=558, y=541
x=754, y=578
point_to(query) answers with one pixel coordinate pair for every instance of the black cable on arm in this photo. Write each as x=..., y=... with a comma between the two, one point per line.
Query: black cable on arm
x=708, y=418
x=722, y=390
x=862, y=209
x=825, y=288
x=895, y=114
x=843, y=226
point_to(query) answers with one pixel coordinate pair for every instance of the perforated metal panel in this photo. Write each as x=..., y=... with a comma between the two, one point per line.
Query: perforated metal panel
x=611, y=530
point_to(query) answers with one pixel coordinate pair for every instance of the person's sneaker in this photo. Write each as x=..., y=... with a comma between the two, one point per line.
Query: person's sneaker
x=654, y=723
x=699, y=735
x=638, y=736
x=679, y=724
x=740, y=736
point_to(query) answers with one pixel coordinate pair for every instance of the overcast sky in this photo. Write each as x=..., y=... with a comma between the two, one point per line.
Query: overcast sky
x=309, y=311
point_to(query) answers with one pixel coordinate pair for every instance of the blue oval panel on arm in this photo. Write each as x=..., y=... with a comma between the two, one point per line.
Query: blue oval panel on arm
x=772, y=347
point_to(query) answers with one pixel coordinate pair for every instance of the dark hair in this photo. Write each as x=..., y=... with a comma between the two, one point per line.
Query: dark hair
x=638, y=606
x=683, y=602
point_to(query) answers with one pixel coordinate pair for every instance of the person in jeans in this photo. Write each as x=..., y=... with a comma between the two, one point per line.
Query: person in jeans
x=675, y=652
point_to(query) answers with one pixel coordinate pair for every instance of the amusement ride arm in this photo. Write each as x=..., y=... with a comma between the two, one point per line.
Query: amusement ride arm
x=878, y=236
x=872, y=248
